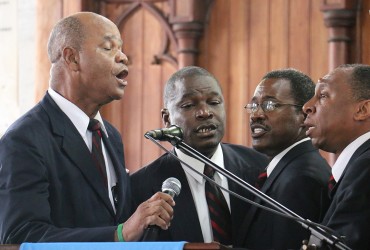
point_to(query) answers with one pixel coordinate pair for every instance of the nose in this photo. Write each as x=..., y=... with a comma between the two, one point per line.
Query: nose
x=122, y=58
x=258, y=114
x=204, y=113
x=309, y=107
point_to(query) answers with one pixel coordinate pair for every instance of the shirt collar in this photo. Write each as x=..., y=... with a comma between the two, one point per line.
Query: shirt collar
x=343, y=159
x=217, y=158
x=279, y=156
x=79, y=119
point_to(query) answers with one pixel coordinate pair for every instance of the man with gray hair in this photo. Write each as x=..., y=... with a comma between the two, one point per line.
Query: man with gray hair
x=62, y=171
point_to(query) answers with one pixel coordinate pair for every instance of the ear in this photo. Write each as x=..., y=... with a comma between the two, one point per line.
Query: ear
x=71, y=57
x=166, y=117
x=362, y=111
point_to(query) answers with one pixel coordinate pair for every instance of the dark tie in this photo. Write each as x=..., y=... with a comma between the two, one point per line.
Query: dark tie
x=96, y=152
x=262, y=177
x=331, y=183
x=218, y=210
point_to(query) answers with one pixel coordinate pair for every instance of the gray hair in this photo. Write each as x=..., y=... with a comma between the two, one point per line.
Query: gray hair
x=67, y=32
x=189, y=71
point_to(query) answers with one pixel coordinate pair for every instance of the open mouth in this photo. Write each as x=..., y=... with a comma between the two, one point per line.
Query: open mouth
x=309, y=129
x=122, y=75
x=206, y=129
x=258, y=130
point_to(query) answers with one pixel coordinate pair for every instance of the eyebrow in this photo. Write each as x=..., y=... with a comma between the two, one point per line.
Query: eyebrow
x=113, y=38
x=268, y=97
x=193, y=93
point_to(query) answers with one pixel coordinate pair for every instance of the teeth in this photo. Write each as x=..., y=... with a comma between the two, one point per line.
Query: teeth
x=204, y=130
x=258, y=130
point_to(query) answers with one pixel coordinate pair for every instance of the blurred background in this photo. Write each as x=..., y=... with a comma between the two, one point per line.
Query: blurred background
x=236, y=40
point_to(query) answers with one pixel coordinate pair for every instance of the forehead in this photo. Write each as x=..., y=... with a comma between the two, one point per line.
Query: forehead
x=337, y=80
x=102, y=28
x=278, y=88
x=196, y=85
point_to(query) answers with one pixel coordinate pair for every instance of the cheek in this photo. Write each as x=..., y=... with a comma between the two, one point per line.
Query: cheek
x=179, y=119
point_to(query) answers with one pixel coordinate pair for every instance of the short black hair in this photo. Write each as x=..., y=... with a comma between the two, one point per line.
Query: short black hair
x=185, y=72
x=302, y=86
x=359, y=80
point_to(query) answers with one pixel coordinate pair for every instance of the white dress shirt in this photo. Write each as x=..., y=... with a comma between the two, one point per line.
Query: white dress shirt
x=197, y=186
x=81, y=121
x=343, y=159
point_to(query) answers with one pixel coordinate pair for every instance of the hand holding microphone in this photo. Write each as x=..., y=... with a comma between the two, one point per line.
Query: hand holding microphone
x=172, y=187
x=153, y=214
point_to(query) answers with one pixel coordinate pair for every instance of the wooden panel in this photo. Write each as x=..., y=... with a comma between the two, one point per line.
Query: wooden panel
x=318, y=54
x=242, y=41
x=299, y=28
x=44, y=24
x=152, y=91
x=238, y=76
x=139, y=111
x=133, y=101
x=279, y=30
x=262, y=36
x=365, y=32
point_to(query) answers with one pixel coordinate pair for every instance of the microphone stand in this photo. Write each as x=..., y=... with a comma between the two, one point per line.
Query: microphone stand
x=318, y=236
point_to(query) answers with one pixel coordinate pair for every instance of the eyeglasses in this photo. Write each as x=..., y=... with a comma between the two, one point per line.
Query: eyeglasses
x=267, y=106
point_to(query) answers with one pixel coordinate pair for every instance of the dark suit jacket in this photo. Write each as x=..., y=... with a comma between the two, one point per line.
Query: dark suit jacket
x=50, y=190
x=299, y=182
x=241, y=161
x=349, y=212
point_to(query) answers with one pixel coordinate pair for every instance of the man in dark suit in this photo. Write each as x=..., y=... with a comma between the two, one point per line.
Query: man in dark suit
x=193, y=100
x=296, y=175
x=338, y=121
x=50, y=186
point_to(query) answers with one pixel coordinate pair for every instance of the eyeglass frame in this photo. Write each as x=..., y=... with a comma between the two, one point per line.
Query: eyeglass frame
x=264, y=104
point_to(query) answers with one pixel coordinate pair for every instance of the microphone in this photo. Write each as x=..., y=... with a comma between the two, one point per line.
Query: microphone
x=165, y=133
x=171, y=186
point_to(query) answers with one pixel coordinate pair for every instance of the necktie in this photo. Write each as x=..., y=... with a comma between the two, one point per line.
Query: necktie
x=262, y=177
x=96, y=152
x=218, y=210
x=331, y=183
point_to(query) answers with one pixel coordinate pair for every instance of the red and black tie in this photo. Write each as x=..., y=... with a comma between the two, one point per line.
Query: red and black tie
x=331, y=183
x=262, y=177
x=218, y=210
x=97, y=152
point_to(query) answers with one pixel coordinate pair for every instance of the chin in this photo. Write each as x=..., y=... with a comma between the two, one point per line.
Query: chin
x=258, y=147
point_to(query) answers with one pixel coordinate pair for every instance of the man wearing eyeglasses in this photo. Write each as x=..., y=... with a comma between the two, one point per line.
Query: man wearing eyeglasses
x=297, y=175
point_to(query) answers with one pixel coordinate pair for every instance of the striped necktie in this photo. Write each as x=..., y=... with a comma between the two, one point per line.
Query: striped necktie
x=218, y=210
x=97, y=152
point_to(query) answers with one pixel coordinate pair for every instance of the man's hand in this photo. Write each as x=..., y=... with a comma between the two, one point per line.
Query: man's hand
x=155, y=211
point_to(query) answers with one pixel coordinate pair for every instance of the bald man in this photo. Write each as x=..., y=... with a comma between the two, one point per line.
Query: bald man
x=57, y=183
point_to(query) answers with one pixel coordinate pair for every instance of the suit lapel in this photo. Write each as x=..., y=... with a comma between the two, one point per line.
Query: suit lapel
x=292, y=154
x=185, y=212
x=363, y=148
x=287, y=158
x=75, y=148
